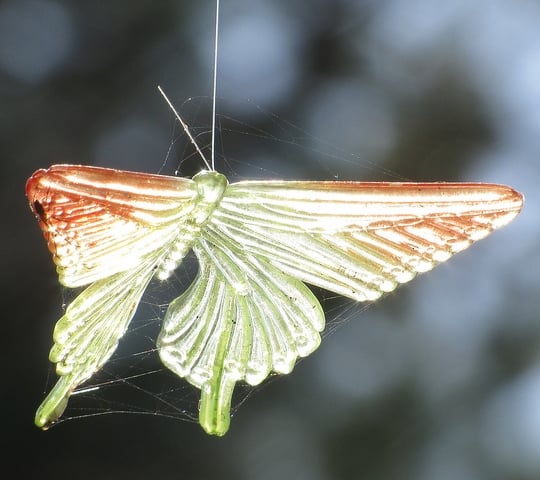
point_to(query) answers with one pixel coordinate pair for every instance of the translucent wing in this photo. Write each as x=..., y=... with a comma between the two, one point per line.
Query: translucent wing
x=99, y=221
x=361, y=239
x=241, y=319
x=88, y=334
x=248, y=313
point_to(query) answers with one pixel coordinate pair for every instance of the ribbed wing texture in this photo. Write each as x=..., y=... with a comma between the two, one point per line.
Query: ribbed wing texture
x=98, y=222
x=241, y=319
x=115, y=230
x=88, y=334
x=248, y=312
x=360, y=239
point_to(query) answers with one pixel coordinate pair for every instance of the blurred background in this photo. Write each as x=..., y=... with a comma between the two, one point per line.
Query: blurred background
x=439, y=380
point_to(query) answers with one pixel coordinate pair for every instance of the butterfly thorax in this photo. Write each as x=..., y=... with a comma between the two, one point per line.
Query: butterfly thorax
x=211, y=187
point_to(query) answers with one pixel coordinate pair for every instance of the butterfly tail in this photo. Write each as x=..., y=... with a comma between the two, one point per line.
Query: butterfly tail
x=201, y=354
x=52, y=408
x=215, y=404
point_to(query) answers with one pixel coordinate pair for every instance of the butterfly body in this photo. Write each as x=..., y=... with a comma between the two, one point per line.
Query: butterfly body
x=248, y=312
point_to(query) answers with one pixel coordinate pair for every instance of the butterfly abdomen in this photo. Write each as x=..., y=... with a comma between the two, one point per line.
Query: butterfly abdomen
x=211, y=187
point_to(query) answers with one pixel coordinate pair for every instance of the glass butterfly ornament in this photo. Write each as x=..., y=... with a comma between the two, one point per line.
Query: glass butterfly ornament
x=248, y=312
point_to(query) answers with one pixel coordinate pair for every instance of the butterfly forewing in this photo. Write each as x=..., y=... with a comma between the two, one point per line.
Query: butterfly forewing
x=361, y=239
x=333, y=206
x=98, y=222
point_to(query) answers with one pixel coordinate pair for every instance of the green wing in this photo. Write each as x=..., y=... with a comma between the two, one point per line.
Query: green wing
x=88, y=333
x=240, y=319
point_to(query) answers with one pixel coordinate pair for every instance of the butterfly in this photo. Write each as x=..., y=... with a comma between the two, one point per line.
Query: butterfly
x=249, y=311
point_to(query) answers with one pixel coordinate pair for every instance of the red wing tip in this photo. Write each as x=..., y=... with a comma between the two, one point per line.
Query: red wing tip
x=516, y=197
x=31, y=183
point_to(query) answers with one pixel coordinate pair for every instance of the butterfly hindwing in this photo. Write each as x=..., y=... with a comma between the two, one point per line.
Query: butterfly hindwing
x=240, y=320
x=88, y=334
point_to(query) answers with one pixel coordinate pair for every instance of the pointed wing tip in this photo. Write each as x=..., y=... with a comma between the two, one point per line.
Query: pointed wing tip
x=33, y=182
x=510, y=193
x=518, y=197
x=506, y=200
x=36, y=177
x=514, y=201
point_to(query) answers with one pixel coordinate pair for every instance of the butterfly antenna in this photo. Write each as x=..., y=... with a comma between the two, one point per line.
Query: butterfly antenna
x=186, y=129
x=216, y=35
